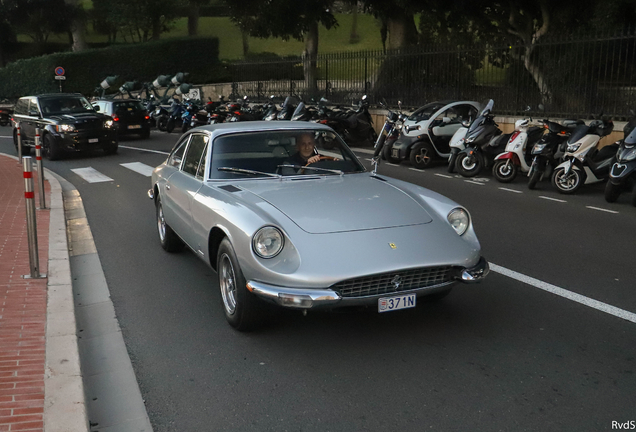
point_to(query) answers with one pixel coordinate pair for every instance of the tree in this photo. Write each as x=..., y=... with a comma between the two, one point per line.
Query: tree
x=37, y=18
x=398, y=21
x=286, y=19
x=193, y=15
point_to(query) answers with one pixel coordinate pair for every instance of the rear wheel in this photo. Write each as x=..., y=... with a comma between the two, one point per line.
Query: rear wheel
x=504, y=170
x=170, y=125
x=241, y=307
x=50, y=148
x=567, y=183
x=170, y=241
x=387, y=152
x=612, y=192
x=422, y=155
x=469, y=165
x=451, y=161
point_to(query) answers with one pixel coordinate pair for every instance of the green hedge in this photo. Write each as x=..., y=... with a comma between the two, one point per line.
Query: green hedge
x=139, y=62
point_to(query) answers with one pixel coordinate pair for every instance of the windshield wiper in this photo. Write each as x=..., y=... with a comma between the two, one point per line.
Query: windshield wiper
x=311, y=168
x=246, y=171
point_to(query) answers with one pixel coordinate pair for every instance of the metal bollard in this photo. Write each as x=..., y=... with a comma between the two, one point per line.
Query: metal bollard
x=38, y=162
x=17, y=127
x=32, y=233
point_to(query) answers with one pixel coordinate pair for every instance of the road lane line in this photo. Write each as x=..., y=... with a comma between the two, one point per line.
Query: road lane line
x=418, y=170
x=474, y=182
x=91, y=175
x=146, y=150
x=511, y=190
x=552, y=199
x=602, y=209
x=443, y=175
x=139, y=167
x=578, y=298
x=392, y=164
x=7, y=137
x=367, y=151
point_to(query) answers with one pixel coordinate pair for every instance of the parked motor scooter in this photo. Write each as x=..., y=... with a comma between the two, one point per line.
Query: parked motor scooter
x=516, y=156
x=390, y=131
x=484, y=141
x=457, y=144
x=622, y=176
x=583, y=162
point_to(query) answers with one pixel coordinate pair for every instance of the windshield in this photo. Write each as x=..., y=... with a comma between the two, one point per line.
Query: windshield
x=479, y=121
x=425, y=112
x=127, y=106
x=286, y=153
x=488, y=108
x=65, y=105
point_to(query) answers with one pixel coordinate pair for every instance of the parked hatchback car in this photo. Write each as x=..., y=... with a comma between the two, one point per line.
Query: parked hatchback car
x=438, y=122
x=68, y=123
x=129, y=116
x=286, y=214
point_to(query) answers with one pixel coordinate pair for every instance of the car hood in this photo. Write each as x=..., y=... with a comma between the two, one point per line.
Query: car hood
x=77, y=118
x=329, y=204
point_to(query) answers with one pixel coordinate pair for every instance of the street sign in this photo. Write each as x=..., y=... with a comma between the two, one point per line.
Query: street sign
x=195, y=94
x=60, y=77
x=59, y=71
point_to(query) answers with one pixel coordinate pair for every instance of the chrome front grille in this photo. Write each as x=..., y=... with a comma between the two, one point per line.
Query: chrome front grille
x=89, y=124
x=393, y=282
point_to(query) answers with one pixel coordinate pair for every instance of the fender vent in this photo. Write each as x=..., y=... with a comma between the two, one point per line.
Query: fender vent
x=229, y=188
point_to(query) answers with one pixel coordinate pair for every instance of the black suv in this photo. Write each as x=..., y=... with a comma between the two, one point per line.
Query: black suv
x=68, y=122
x=129, y=116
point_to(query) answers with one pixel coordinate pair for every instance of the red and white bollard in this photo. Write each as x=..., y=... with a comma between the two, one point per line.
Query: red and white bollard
x=32, y=233
x=38, y=162
x=17, y=128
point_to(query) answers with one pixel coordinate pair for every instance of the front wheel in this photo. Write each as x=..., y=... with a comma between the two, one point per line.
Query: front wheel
x=504, y=171
x=387, y=152
x=50, y=148
x=469, y=165
x=170, y=125
x=534, y=179
x=422, y=155
x=185, y=126
x=169, y=240
x=161, y=123
x=567, y=183
x=241, y=307
x=452, y=160
x=111, y=149
x=612, y=192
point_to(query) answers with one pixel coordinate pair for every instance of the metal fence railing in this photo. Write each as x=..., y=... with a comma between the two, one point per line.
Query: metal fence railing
x=570, y=77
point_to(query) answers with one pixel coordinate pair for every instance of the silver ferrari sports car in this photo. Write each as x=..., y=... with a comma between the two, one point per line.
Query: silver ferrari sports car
x=285, y=213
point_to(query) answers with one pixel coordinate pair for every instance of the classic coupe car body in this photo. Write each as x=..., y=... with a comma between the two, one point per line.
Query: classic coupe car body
x=326, y=234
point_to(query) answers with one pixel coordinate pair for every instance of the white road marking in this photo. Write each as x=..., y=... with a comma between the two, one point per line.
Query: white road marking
x=552, y=199
x=594, y=304
x=139, y=167
x=370, y=160
x=392, y=164
x=474, y=182
x=146, y=150
x=91, y=175
x=7, y=137
x=602, y=209
x=418, y=170
x=481, y=179
x=443, y=175
x=362, y=150
x=511, y=190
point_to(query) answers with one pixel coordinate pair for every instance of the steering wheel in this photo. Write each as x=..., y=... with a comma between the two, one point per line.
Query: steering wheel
x=322, y=158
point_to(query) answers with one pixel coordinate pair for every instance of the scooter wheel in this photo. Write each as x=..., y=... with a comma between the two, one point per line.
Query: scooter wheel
x=451, y=163
x=467, y=166
x=567, y=184
x=387, y=153
x=612, y=192
x=534, y=179
x=184, y=127
x=170, y=126
x=504, y=171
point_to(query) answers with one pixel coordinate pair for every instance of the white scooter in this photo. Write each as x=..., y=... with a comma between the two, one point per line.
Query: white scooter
x=583, y=163
x=457, y=144
x=516, y=156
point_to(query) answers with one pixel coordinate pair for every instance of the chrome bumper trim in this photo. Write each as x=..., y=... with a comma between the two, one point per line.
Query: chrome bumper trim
x=151, y=194
x=475, y=274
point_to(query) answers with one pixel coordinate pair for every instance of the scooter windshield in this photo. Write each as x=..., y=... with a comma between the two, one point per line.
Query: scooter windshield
x=299, y=109
x=578, y=133
x=487, y=109
x=631, y=138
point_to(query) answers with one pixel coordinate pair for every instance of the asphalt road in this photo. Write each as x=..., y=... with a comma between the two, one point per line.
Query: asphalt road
x=503, y=355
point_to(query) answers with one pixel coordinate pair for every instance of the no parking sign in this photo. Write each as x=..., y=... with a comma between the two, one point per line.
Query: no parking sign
x=59, y=73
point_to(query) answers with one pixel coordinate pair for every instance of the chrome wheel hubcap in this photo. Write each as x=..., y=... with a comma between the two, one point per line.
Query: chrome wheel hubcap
x=567, y=182
x=227, y=282
x=161, y=224
x=468, y=165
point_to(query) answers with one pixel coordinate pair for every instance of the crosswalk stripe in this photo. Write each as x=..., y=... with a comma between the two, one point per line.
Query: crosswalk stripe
x=139, y=167
x=91, y=175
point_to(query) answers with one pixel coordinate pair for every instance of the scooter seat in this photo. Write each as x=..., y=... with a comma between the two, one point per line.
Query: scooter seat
x=606, y=152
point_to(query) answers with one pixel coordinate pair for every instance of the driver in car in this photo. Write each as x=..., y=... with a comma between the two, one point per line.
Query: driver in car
x=306, y=151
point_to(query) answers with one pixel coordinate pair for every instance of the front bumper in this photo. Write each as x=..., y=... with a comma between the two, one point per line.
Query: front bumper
x=304, y=298
x=81, y=141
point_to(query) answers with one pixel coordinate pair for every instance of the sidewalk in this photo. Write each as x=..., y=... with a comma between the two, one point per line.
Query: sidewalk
x=34, y=378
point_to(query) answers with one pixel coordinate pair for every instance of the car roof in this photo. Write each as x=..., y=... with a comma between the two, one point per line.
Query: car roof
x=58, y=95
x=261, y=125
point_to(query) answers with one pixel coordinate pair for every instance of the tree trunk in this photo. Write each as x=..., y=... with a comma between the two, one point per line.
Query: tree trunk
x=156, y=28
x=246, y=43
x=78, y=26
x=309, y=58
x=354, y=37
x=402, y=31
x=193, y=19
x=538, y=76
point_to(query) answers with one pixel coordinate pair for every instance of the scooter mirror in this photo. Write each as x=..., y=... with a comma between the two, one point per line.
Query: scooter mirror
x=466, y=123
x=446, y=120
x=364, y=97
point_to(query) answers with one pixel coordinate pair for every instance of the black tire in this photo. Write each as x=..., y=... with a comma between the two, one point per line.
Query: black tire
x=422, y=155
x=50, y=148
x=567, y=184
x=185, y=126
x=161, y=123
x=612, y=192
x=170, y=125
x=534, y=179
x=111, y=149
x=468, y=168
x=451, y=162
x=145, y=134
x=169, y=240
x=26, y=150
x=386, y=152
x=241, y=307
x=505, y=171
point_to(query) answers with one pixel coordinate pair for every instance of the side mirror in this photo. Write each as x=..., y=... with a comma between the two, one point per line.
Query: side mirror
x=446, y=120
x=466, y=123
x=96, y=107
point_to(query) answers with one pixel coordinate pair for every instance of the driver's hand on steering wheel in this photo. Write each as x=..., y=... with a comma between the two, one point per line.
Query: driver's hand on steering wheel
x=313, y=159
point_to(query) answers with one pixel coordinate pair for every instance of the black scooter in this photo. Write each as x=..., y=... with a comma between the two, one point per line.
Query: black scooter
x=484, y=141
x=390, y=131
x=622, y=176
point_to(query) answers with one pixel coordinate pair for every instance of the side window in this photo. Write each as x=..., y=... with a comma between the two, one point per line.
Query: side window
x=194, y=153
x=22, y=107
x=201, y=170
x=177, y=154
x=33, y=107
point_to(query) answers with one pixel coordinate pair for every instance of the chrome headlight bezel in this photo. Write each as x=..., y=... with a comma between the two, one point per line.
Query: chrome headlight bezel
x=538, y=148
x=626, y=154
x=573, y=148
x=469, y=139
x=108, y=123
x=65, y=128
x=264, y=239
x=459, y=219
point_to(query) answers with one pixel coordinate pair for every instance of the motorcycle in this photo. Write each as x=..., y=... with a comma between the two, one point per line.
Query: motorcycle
x=304, y=113
x=622, y=175
x=390, y=132
x=287, y=109
x=484, y=141
x=583, y=162
x=175, y=118
x=355, y=126
x=516, y=156
x=550, y=149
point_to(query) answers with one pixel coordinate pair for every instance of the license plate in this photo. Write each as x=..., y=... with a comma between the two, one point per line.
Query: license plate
x=93, y=140
x=395, y=153
x=134, y=126
x=396, y=303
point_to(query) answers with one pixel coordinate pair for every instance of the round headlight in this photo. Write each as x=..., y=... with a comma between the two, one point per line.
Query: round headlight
x=108, y=124
x=268, y=242
x=459, y=220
